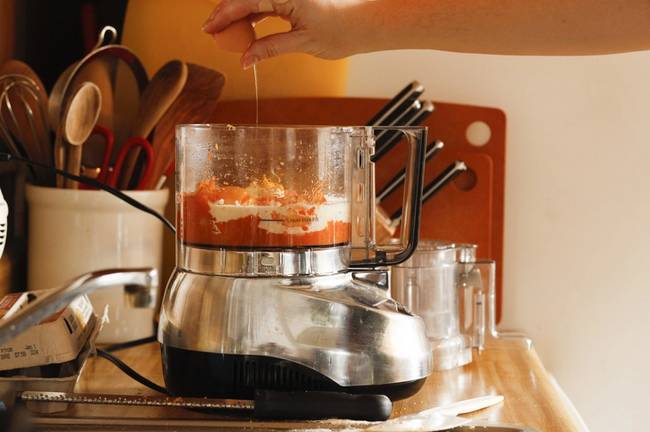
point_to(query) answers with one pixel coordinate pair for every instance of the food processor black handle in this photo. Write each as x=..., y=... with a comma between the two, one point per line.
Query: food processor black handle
x=411, y=205
x=412, y=223
x=314, y=405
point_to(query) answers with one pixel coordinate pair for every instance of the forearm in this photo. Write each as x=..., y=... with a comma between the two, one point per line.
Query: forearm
x=523, y=27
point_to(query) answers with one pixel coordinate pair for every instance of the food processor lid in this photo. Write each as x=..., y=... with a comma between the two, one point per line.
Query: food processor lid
x=434, y=245
x=284, y=127
x=440, y=252
x=466, y=252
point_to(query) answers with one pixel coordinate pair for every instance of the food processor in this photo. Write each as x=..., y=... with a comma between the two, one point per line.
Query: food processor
x=453, y=292
x=279, y=281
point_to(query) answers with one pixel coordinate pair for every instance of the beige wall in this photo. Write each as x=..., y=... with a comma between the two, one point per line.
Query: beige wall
x=577, y=209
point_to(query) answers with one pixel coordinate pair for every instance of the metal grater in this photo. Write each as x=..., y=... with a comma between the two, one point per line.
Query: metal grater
x=268, y=404
x=154, y=401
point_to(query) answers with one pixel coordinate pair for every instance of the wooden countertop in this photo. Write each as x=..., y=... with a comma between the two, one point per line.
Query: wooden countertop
x=506, y=367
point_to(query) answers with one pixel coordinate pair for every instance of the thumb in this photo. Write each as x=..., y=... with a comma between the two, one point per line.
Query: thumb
x=273, y=46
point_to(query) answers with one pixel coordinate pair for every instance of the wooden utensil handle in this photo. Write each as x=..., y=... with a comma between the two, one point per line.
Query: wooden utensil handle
x=59, y=158
x=73, y=165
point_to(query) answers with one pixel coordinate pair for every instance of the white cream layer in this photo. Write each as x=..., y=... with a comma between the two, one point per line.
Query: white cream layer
x=324, y=213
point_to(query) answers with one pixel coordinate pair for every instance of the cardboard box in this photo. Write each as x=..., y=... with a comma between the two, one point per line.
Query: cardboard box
x=57, y=339
x=11, y=386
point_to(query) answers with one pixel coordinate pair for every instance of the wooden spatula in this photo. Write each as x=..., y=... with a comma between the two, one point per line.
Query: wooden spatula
x=195, y=104
x=161, y=92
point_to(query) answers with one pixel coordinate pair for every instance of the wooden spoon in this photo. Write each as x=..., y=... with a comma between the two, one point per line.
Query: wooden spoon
x=79, y=120
x=161, y=92
x=38, y=144
x=195, y=104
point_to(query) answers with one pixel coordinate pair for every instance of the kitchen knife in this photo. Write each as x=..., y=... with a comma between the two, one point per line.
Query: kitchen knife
x=393, y=116
x=396, y=181
x=435, y=185
x=267, y=404
x=397, y=104
x=387, y=141
x=404, y=116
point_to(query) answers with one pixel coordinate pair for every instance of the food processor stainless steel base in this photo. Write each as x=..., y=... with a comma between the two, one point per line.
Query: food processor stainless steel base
x=227, y=336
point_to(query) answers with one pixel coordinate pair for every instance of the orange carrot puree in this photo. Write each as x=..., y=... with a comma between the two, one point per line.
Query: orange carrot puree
x=199, y=227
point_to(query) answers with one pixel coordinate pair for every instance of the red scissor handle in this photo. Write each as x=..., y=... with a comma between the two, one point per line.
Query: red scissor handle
x=109, y=141
x=124, y=151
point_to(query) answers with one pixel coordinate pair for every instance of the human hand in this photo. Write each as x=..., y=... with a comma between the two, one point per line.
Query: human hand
x=323, y=28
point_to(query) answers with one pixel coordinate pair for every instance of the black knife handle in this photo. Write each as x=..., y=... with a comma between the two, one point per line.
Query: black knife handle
x=398, y=179
x=436, y=185
x=397, y=104
x=389, y=139
x=318, y=405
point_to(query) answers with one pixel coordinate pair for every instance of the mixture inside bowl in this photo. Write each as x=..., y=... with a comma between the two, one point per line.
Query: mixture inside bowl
x=261, y=215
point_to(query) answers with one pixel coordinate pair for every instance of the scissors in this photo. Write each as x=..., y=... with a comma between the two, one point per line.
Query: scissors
x=104, y=168
x=110, y=175
x=130, y=145
x=109, y=142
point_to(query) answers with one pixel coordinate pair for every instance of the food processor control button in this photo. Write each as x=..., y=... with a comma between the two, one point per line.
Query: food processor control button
x=268, y=261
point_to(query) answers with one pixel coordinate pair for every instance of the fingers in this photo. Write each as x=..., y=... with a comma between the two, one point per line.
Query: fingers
x=259, y=17
x=229, y=11
x=274, y=45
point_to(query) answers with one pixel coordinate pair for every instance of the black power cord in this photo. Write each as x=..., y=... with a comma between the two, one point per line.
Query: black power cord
x=6, y=157
x=130, y=344
x=131, y=372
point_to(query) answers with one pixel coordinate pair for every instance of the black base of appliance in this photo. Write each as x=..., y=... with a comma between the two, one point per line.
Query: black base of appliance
x=200, y=374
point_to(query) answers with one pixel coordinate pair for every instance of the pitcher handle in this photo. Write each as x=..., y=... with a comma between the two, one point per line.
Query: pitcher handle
x=411, y=203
